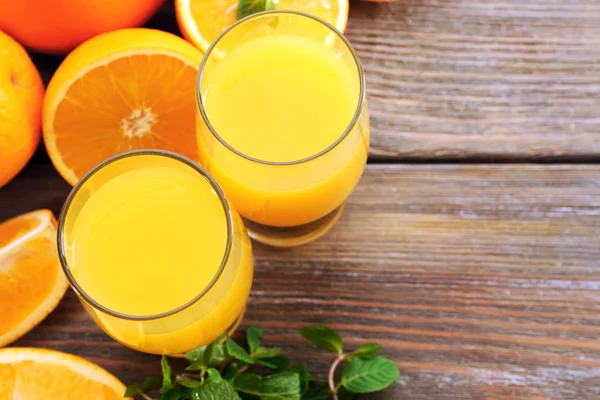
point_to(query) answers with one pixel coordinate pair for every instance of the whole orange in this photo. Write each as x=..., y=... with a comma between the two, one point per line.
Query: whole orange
x=58, y=26
x=21, y=96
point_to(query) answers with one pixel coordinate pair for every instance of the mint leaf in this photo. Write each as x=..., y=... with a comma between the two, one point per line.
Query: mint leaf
x=367, y=351
x=262, y=352
x=215, y=391
x=322, y=393
x=149, y=384
x=248, y=383
x=324, y=337
x=366, y=376
x=186, y=381
x=178, y=393
x=249, y=7
x=278, y=363
x=208, y=351
x=253, y=336
x=133, y=390
x=213, y=375
x=167, y=384
x=218, y=355
x=319, y=393
x=197, y=366
x=230, y=372
x=195, y=355
x=284, y=384
x=237, y=351
x=305, y=377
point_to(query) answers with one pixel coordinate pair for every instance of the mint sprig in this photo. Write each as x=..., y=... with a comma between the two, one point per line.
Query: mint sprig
x=225, y=370
x=249, y=7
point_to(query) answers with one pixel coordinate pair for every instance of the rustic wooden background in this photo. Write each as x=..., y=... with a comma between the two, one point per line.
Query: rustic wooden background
x=471, y=247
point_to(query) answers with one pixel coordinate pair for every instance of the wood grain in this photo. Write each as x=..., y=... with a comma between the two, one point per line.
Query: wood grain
x=481, y=281
x=472, y=79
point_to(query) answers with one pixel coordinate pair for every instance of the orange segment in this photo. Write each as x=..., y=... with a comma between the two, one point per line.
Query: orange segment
x=31, y=280
x=32, y=374
x=201, y=21
x=123, y=90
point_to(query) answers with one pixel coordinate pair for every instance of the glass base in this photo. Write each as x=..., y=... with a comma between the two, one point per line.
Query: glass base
x=230, y=331
x=293, y=235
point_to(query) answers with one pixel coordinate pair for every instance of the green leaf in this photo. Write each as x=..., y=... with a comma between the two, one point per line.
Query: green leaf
x=367, y=351
x=278, y=363
x=133, y=390
x=253, y=336
x=197, y=366
x=237, y=351
x=214, y=375
x=178, y=393
x=167, y=383
x=284, y=384
x=186, y=381
x=215, y=391
x=262, y=352
x=305, y=377
x=319, y=393
x=219, y=355
x=208, y=351
x=196, y=357
x=366, y=376
x=150, y=383
x=324, y=337
x=230, y=372
x=249, y=7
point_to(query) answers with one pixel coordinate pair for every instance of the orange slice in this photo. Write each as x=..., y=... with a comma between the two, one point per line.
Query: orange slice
x=33, y=374
x=31, y=280
x=122, y=90
x=201, y=21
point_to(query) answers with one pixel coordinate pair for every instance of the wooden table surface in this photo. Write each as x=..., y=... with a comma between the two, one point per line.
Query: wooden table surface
x=481, y=280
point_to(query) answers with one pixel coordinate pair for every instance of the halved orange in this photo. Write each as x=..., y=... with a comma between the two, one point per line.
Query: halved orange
x=201, y=21
x=31, y=280
x=34, y=374
x=122, y=90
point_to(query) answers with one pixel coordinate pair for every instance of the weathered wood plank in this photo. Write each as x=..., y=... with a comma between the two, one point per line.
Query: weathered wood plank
x=480, y=281
x=503, y=78
x=454, y=79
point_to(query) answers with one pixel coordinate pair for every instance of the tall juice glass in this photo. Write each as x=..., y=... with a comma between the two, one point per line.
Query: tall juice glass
x=283, y=124
x=156, y=254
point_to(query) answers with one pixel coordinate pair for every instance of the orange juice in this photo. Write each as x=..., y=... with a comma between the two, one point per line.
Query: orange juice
x=287, y=144
x=146, y=235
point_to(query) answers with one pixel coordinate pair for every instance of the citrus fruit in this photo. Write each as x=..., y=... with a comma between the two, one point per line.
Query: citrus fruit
x=34, y=374
x=21, y=94
x=58, y=26
x=122, y=90
x=31, y=280
x=201, y=21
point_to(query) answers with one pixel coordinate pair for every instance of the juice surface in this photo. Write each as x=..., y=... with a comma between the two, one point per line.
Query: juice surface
x=149, y=240
x=146, y=234
x=284, y=97
x=281, y=97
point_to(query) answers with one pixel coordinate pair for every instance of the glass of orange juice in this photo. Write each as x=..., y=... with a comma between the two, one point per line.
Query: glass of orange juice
x=158, y=257
x=283, y=124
